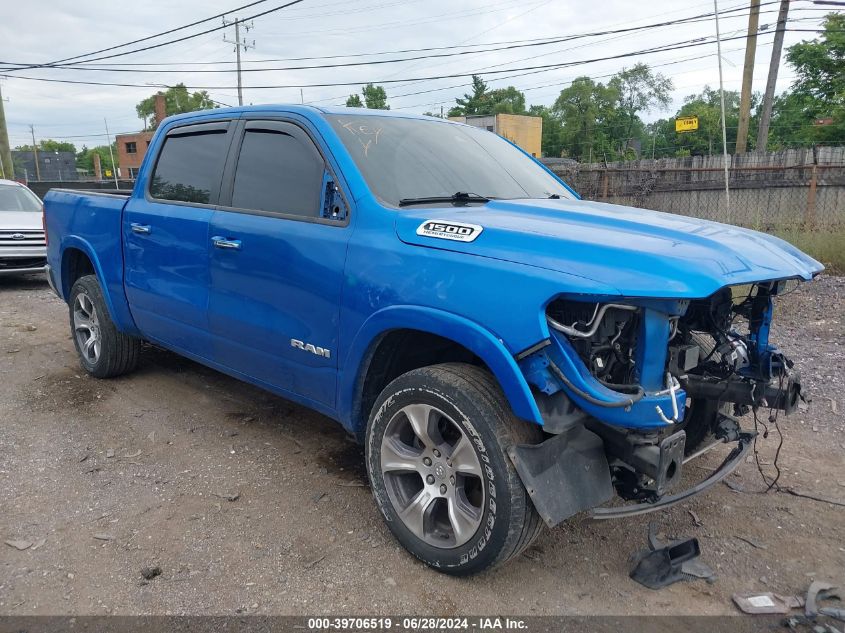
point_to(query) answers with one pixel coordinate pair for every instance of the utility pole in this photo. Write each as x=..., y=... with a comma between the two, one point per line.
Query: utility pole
x=747, y=78
x=111, y=154
x=724, y=129
x=35, y=153
x=8, y=168
x=774, y=65
x=239, y=43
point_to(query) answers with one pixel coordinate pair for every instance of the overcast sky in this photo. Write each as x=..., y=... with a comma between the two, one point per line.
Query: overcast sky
x=45, y=31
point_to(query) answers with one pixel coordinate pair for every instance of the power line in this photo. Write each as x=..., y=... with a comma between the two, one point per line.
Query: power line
x=174, y=41
x=150, y=37
x=704, y=41
x=545, y=42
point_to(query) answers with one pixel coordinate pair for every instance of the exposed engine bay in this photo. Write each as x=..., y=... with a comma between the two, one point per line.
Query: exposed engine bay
x=690, y=367
x=717, y=349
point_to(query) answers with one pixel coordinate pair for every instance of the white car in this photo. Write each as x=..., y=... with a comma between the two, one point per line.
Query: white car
x=22, y=245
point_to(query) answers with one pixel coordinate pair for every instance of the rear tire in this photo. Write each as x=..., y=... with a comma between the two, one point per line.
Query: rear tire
x=104, y=351
x=437, y=459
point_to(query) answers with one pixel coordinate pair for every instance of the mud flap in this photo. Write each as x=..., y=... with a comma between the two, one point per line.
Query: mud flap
x=565, y=474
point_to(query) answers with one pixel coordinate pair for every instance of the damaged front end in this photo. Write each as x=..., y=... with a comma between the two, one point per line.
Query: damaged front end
x=630, y=392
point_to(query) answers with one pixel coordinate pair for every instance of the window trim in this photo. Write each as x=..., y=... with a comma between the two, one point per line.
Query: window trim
x=285, y=125
x=186, y=130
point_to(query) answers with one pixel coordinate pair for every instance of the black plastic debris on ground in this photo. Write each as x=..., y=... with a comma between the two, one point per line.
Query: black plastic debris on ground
x=663, y=564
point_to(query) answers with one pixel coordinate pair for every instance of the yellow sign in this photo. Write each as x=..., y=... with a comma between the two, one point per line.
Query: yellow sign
x=108, y=173
x=686, y=124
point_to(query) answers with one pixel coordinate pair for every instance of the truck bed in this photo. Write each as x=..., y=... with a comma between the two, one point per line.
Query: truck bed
x=87, y=226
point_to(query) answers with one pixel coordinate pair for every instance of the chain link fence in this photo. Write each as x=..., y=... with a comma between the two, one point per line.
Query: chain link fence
x=796, y=194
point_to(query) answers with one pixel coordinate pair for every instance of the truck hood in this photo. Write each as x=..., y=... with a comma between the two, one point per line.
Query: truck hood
x=639, y=252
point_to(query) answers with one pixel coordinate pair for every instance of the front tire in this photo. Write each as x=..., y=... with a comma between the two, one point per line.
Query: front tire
x=436, y=448
x=104, y=351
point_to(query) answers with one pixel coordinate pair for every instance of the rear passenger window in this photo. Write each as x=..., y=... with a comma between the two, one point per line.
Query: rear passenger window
x=276, y=172
x=189, y=167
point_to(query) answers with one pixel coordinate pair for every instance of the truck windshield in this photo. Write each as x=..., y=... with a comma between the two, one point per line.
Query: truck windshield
x=15, y=198
x=408, y=159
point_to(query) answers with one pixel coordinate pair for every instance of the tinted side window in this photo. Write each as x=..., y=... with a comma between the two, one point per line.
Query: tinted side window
x=277, y=173
x=189, y=167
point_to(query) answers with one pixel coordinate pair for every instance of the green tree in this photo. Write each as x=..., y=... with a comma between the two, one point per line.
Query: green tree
x=375, y=98
x=818, y=93
x=707, y=139
x=482, y=101
x=85, y=158
x=638, y=89
x=586, y=110
x=177, y=100
x=473, y=102
x=504, y=101
x=49, y=145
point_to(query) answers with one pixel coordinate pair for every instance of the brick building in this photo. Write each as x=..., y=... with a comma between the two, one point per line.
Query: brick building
x=131, y=148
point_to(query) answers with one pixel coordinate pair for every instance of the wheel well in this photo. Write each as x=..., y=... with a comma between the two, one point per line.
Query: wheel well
x=398, y=352
x=76, y=264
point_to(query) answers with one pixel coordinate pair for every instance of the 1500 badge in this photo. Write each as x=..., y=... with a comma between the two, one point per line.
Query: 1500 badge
x=446, y=230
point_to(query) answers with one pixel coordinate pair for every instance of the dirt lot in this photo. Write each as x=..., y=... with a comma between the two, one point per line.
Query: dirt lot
x=250, y=504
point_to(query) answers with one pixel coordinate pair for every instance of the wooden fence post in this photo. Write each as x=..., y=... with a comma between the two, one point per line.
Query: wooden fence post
x=810, y=214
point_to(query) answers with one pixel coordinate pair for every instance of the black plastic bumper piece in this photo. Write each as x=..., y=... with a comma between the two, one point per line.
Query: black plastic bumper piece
x=564, y=475
x=734, y=459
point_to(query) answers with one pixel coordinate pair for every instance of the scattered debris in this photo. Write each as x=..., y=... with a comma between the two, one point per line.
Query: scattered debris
x=19, y=544
x=664, y=564
x=751, y=542
x=228, y=496
x=102, y=536
x=352, y=484
x=817, y=592
x=311, y=563
x=151, y=572
x=316, y=498
x=132, y=455
x=110, y=453
x=695, y=518
x=733, y=486
x=765, y=603
x=39, y=543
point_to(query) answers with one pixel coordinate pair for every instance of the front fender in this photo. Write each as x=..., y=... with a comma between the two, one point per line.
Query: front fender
x=110, y=278
x=471, y=335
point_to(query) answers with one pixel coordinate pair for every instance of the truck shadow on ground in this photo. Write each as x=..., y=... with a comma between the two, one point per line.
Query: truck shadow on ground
x=324, y=439
x=35, y=281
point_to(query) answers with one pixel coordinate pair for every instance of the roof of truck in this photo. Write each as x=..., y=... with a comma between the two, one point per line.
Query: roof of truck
x=305, y=110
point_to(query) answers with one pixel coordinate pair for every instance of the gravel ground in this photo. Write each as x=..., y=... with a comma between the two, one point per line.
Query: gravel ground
x=251, y=504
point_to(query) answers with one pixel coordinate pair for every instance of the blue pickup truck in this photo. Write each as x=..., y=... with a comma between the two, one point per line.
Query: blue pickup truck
x=509, y=354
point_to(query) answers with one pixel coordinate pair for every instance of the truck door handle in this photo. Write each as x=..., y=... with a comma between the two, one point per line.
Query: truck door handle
x=222, y=242
x=141, y=229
